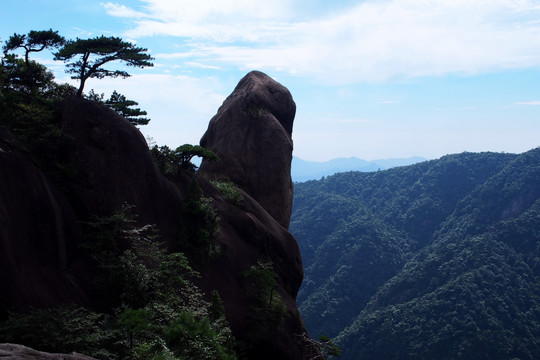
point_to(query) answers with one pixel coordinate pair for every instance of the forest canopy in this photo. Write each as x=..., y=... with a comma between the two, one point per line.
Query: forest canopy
x=437, y=260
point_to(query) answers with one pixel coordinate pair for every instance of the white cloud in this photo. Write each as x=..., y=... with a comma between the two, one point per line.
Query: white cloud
x=179, y=107
x=534, y=103
x=371, y=41
x=201, y=66
x=122, y=11
x=217, y=20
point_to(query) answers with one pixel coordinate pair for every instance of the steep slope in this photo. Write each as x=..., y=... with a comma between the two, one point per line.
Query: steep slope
x=445, y=265
x=110, y=166
x=39, y=233
x=403, y=206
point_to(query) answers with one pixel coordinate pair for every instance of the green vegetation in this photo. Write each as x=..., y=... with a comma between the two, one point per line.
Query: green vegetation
x=30, y=98
x=199, y=225
x=28, y=102
x=156, y=312
x=35, y=41
x=122, y=106
x=172, y=162
x=31, y=73
x=92, y=54
x=267, y=309
x=149, y=307
x=438, y=260
x=230, y=191
x=62, y=329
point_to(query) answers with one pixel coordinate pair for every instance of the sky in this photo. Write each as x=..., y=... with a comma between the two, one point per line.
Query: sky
x=371, y=79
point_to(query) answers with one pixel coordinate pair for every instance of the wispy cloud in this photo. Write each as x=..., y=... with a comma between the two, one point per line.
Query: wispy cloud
x=122, y=11
x=201, y=66
x=534, y=103
x=457, y=108
x=372, y=41
x=179, y=106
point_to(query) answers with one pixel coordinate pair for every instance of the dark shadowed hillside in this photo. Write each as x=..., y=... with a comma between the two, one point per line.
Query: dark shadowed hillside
x=438, y=260
x=115, y=251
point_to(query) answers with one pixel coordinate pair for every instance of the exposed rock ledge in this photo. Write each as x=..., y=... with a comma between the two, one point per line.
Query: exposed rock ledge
x=20, y=352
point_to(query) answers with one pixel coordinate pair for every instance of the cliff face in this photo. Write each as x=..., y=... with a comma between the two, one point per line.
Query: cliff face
x=39, y=233
x=43, y=265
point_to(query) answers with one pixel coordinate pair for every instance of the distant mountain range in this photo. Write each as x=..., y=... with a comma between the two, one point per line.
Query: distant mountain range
x=303, y=170
x=436, y=260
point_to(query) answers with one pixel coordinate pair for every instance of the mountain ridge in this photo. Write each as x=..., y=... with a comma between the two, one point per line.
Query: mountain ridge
x=388, y=254
x=304, y=170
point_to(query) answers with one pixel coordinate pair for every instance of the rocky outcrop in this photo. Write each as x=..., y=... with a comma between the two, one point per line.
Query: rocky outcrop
x=248, y=234
x=42, y=264
x=251, y=134
x=20, y=352
x=41, y=260
x=113, y=167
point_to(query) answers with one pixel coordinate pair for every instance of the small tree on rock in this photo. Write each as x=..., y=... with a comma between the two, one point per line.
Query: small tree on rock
x=29, y=75
x=92, y=54
x=170, y=162
x=123, y=106
x=35, y=41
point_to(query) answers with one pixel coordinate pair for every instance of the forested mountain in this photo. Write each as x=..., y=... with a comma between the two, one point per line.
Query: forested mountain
x=437, y=260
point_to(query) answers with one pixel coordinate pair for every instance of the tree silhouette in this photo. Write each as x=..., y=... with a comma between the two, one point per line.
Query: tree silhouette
x=29, y=74
x=35, y=41
x=86, y=57
x=124, y=107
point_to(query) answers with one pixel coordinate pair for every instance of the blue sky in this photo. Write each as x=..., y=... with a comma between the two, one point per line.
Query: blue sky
x=371, y=79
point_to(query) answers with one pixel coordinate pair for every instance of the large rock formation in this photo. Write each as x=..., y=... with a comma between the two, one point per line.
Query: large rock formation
x=42, y=264
x=251, y=134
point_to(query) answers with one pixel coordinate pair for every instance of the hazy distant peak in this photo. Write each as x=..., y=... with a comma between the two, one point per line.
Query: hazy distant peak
x=304, y=170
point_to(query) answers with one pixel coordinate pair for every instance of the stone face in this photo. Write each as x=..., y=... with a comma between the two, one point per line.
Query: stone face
x=20, y=352
x=251, y=134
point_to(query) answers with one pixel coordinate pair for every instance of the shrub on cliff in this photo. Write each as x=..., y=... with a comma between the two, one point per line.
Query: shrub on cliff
x=199, y=225
x=172, y=162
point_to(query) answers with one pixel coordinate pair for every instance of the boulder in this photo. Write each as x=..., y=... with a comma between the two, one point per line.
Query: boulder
x=251, y=134
x=20, y=352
